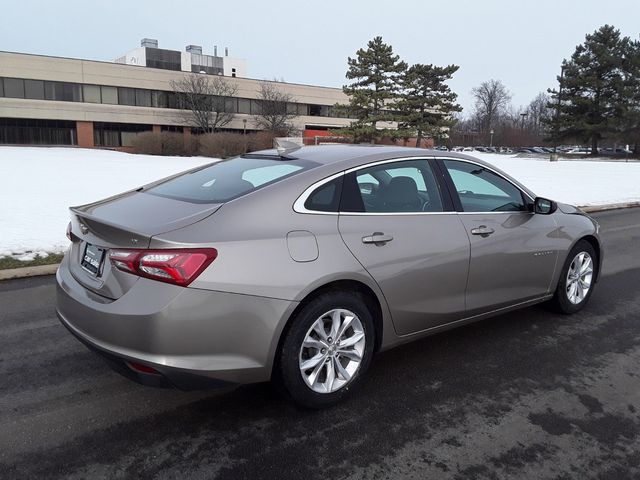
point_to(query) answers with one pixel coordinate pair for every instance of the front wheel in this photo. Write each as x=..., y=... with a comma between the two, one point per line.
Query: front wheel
x=577, y=278
x=326, y=350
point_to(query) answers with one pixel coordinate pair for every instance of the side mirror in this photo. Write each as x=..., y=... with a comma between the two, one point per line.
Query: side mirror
x=544, y=206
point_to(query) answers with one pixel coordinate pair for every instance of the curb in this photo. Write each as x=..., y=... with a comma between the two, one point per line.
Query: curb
x=611, y=206
x=24, y=272
x=39, y=270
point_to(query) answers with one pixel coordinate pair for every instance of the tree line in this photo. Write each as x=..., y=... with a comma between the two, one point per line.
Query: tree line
x=597, y=99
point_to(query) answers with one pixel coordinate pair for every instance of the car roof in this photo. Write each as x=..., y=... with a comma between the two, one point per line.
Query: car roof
x=341, y=157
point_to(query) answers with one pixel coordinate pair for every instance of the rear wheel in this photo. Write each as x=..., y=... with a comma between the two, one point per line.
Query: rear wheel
x=576, y=279
x=326, y=350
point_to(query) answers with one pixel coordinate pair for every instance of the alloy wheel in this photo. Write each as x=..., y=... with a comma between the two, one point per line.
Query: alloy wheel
x=579, y=277
x=332, y=351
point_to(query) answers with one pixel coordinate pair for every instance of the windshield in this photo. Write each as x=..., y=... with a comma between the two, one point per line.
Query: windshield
x=229, y=179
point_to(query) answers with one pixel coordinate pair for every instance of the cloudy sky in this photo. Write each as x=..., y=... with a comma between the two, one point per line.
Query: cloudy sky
x=519, y=42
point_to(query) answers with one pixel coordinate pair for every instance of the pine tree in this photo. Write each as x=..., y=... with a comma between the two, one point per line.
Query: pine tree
x=630, y=117
x=375, y=72
x=590, y=104
x=426, y=102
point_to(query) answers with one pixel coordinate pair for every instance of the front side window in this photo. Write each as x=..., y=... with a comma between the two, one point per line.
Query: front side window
x=398, y=187
x=481, y=190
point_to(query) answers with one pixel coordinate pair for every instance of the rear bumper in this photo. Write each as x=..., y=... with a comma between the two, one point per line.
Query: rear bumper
x=193, y=338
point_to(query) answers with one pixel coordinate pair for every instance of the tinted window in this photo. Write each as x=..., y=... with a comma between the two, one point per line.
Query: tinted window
x=325, y=198
x=63, y=91
x=14, y=88
x=126, y=96
x=109, y=95
x=481, y=190
x=406, y=186
x=91, y=93
x=34, y=89
x=228, y=179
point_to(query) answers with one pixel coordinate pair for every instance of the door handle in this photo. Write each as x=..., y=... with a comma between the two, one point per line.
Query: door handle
x=377, y=238
x=482, y=230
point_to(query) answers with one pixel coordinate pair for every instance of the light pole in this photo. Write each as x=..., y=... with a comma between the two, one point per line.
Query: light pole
x=491, y=141
x=244, y=133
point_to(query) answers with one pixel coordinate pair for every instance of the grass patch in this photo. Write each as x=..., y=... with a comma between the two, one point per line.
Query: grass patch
x=9, y=262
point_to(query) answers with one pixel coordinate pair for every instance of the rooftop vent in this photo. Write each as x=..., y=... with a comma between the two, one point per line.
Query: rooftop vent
x=197, y=49
x=149, y=43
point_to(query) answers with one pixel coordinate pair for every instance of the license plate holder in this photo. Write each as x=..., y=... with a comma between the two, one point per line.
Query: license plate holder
x=92, y=259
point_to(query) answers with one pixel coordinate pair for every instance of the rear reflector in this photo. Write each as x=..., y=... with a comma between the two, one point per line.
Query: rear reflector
x=176, y=266
x=138, y=367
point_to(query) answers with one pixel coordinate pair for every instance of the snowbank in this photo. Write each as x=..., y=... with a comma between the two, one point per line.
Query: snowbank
x=39, y=184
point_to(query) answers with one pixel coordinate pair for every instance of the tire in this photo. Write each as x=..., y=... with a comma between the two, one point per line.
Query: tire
x=314, y=387
x=563, y=301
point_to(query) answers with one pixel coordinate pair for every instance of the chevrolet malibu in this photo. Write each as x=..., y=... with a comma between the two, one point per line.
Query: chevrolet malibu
x=297, y=265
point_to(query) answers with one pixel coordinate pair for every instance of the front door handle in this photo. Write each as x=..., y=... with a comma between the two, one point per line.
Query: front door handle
x=482, y=230
x=377, y=238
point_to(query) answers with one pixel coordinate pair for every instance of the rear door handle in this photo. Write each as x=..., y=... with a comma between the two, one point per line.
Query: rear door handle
x=482, y=230
x=377, y=238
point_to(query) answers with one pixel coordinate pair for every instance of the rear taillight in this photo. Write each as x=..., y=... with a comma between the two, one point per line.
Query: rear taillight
x=179, y=267
x=69, y=234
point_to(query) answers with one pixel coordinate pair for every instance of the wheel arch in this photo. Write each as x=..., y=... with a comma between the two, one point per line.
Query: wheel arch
x=595, y=243
x=370, y=297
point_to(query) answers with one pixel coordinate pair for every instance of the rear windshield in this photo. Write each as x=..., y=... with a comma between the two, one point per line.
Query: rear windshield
x=229, y=179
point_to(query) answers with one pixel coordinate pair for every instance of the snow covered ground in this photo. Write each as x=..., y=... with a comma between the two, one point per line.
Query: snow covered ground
x=39, y=184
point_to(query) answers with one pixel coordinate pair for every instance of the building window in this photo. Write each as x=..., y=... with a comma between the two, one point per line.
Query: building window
x=20, y=131
x=126, y=96
x=318, y=110
x=91, y=93
x=116, y=134
x=34, y=89
x=164, y=59
x=62, y=91
x=159, y=99
x=231, y=105
x=109, y=95
x=1, y=88
x=256, y=107
x=303, y=109
x=14, y=87
x=143, y=98
x=244, y=105
x=171, y=128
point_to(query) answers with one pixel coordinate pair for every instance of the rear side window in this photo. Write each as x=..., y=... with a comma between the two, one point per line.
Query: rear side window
x=325, y=198
x=229, y=179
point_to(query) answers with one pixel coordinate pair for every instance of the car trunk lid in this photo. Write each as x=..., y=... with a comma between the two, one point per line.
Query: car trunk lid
x=127, y=221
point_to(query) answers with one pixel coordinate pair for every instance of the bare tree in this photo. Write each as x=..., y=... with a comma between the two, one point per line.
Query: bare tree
x=538, y=111
x=275, y=110
x=205, y=101
x=492, y=100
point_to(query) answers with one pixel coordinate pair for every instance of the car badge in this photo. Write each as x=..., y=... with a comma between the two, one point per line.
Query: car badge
x=84, y=229
x=134, y=240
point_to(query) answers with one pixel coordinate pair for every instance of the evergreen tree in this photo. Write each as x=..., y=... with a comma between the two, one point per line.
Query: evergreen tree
x=590, y=105
x=630, y=117
x=375, y=73
x=426, y=102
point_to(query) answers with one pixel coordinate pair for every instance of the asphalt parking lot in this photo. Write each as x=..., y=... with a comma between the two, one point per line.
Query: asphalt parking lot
x=529, y=394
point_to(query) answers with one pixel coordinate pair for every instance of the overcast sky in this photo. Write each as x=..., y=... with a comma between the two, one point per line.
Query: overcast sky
x=519, y=42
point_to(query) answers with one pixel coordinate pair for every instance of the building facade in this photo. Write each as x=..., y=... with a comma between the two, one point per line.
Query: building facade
x=62, y=101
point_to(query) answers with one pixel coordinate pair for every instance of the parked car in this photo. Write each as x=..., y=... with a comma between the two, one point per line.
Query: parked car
x=297, y=266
